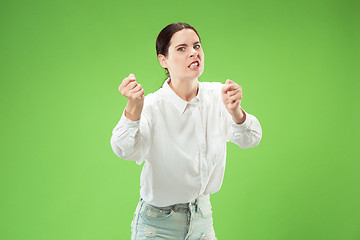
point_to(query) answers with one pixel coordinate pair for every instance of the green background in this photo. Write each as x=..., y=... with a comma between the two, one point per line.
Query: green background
x=61, y=63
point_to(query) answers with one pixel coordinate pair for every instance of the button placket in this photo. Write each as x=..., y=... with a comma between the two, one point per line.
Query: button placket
x=200, y=134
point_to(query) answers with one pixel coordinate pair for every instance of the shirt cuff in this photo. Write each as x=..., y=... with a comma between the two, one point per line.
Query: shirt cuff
x=126, y=125
x=124, y=121
x=243, y=126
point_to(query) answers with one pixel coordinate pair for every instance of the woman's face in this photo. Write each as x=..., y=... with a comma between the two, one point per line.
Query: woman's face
x=184, y=49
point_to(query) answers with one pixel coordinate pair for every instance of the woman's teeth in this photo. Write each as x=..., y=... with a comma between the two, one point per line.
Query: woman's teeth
x=194, y=64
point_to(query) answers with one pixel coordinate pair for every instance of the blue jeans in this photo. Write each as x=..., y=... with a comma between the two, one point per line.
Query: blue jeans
x=188, y=221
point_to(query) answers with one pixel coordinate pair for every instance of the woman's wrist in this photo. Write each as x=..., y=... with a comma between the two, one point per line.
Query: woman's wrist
x=133, y=110
x=239, y=116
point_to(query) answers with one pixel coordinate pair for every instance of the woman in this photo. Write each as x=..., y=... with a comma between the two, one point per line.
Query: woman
x=180, y=131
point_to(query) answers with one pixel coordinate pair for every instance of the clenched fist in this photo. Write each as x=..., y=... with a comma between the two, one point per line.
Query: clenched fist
x=130, y=89
x=133, y=91
x=231, y=96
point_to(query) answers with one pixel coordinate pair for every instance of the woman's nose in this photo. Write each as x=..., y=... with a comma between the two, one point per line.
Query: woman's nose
x=194, y=53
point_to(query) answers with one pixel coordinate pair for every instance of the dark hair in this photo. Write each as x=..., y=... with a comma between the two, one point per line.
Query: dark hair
x=164, y=37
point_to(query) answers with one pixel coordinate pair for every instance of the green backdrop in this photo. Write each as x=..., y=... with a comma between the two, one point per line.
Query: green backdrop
x=61, y=63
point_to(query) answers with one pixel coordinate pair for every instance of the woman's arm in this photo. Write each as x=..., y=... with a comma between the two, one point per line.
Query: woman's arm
x=130, y=140
x=243, y=129
x=130, y=136
x=247, y=134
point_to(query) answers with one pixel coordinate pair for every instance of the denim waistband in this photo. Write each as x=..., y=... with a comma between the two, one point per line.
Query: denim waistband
x=196, y=202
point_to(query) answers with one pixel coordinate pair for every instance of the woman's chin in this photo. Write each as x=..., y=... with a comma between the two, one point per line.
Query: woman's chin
x=197, y=73
x=200, y=73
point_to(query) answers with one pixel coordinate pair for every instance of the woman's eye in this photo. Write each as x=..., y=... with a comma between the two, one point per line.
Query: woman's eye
x=197, y=46
x=179, y=49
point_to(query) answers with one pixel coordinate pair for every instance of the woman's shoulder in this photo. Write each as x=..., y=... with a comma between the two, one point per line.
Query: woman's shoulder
x=214, y=87
x=211, y=85
x=155, y=98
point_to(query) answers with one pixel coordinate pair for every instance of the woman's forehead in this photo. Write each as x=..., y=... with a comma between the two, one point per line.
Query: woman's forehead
x=184, y=36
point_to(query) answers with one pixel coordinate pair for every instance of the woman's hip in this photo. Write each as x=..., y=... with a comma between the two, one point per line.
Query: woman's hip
x=180, y=221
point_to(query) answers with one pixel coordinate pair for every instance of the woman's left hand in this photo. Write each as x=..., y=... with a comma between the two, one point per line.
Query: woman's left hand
x=231, y=96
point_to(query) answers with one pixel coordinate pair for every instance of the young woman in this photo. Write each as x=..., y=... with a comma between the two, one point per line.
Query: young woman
x=180, y=131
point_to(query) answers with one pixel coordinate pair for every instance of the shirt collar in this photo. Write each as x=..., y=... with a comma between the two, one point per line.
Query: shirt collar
x=178, y=102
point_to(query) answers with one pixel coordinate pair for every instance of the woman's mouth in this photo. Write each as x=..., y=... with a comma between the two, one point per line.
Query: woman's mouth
x=194, y=65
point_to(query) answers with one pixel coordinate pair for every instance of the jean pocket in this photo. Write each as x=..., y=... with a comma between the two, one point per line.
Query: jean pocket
x=152, y=212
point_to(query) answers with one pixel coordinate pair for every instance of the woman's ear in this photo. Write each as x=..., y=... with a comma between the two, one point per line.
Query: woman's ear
x=162, y=60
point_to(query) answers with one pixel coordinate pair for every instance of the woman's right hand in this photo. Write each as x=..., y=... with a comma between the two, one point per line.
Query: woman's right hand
x=134, y=92
x=130, y=89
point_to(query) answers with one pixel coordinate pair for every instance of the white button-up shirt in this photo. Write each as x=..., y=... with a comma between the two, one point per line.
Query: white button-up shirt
x=182, y=143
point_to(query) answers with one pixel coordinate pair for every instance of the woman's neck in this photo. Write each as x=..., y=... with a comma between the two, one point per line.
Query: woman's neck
x=185, y=89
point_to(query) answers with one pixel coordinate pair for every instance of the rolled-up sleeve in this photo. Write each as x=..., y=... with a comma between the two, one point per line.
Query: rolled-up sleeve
x=130, y=139
x=245, y=135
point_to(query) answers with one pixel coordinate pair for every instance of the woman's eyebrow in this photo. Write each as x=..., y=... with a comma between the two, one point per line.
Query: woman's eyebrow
x=184, y=44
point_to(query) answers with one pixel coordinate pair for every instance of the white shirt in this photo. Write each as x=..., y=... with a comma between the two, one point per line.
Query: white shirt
x=182, y=143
